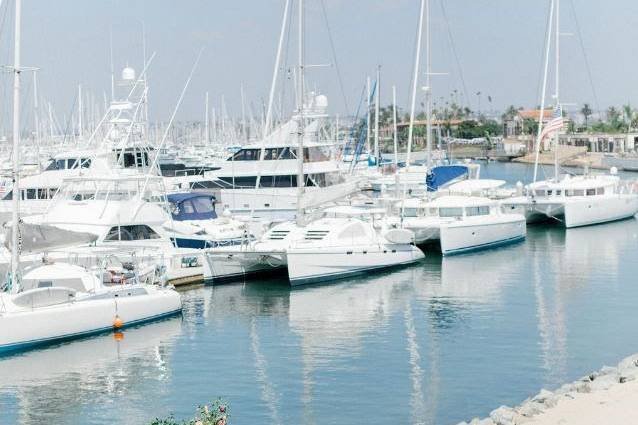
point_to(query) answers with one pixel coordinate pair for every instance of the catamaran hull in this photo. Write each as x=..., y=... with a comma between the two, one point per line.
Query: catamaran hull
x=29, y=328
x=535, y=211
x=225, y=267
x=459, y=238
x=597, y=210
x=306, y=266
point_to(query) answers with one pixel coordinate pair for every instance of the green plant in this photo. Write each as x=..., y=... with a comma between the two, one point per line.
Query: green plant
x=217, y=413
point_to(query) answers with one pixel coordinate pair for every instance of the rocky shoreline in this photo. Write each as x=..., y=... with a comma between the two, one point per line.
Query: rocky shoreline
x=571, y=403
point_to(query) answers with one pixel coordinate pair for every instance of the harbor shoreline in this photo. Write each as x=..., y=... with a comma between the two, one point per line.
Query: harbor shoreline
x=605, y=396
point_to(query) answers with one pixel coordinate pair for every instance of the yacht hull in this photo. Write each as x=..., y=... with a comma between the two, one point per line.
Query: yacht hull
x=306, y=266
x=596, y=210
x=467, y=236
x=29, y=328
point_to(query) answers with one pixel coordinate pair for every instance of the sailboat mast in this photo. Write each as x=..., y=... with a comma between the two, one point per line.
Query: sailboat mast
x=415, y=83
x=428, y=84
x=395, y=135
x=206, y=121
x=376, y=117
x=15, y=217
x=543, y=90
x=556, y=94
x=301, y=119
x=80, y=129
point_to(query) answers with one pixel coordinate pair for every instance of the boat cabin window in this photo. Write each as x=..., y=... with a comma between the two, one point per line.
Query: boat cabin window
x=558, y=192
x=203, y=204
x=137, y=232
x=132, y=159
x=451, y=212
x=474, y=211
x=579, y=192
x=540, y=192
x=410, y=212
x=600, y=191
x=188, y=208
x=591, y=192
x=68, y=163
x=246, y=155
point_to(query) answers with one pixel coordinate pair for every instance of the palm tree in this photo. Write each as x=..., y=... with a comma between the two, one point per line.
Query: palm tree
x=628, y=115
x=510, y=113
x=587, y=112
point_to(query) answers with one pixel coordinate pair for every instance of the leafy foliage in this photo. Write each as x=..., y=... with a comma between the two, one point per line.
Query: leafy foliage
x=217, y=413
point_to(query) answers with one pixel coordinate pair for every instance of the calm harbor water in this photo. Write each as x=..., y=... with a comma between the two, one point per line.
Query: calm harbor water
x=435, y=343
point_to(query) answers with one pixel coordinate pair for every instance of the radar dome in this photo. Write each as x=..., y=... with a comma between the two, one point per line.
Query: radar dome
x=321, y=101
x=128, y=74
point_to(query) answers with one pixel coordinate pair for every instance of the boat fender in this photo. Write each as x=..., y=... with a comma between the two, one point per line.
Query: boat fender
x=117, y=322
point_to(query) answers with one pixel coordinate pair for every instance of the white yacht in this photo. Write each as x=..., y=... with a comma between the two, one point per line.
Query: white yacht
x=460, y=223
x=344, y=243
x=123, y=209
x=576, y=200
x=260, y=179
x=59, y=301
x=118, y=142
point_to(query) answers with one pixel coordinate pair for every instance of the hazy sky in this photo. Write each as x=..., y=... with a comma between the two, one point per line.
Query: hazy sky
x=499, y=45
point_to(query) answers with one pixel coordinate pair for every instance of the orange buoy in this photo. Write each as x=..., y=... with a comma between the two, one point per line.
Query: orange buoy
x=118, y=336
x=118, y=323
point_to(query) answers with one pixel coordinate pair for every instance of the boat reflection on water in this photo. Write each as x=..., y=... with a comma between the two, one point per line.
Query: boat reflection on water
x=578, y=258
x=45, y=385
x=335, y=321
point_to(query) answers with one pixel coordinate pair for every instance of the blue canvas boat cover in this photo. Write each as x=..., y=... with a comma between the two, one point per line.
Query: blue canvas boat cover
x=192, y=206
x=443, y=175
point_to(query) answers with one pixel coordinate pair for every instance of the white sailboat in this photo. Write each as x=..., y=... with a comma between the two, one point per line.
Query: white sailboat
x=53, y=302
x=573, y=200
x=459, y=223
x=311, y=248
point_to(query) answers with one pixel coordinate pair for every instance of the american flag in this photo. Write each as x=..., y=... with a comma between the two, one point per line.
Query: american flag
x=555, y=124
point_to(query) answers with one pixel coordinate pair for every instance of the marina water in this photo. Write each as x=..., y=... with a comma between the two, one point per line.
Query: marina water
x=436, y=343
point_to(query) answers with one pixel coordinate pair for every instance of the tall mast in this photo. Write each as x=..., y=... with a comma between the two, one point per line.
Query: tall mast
x=15, y=217
x=428, y=83
x=368, y=100
x=301, y=118
x=376, y=116
x=394, y=126
x=206, y=119
x=415, y=82
x=244, y=133
x=271, y=96
x=80, y=129
x=556, y=94
x=544, y=89
x=36, y=114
